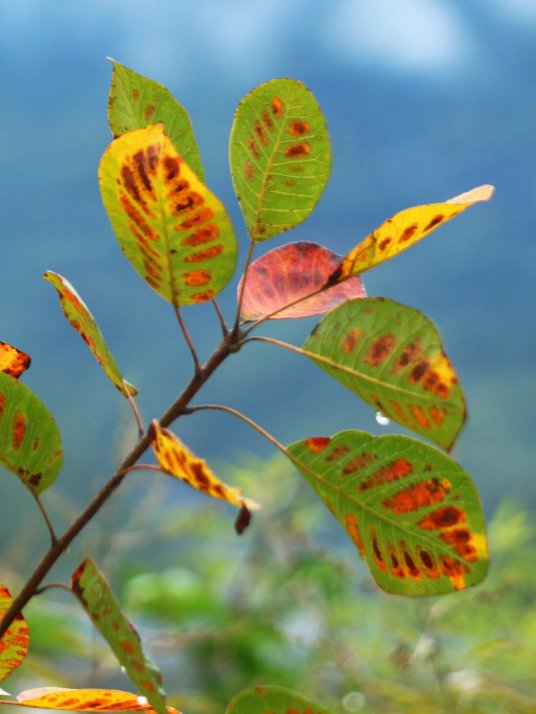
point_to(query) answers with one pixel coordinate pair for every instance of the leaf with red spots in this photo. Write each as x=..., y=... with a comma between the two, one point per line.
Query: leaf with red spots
x=280, y=156
x=78, y=314
x=97, y=600
x=176, y=459
x=136, y=102
x=289, y=274
x=412, y=512
x=173, y=230
x=83, y=700
x=30, y=443
x=14, y=643
x=404, y=230
x=12, y=360
x=272, y=700
x=391, y=356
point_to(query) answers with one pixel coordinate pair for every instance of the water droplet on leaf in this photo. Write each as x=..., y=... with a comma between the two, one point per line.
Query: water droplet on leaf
x=142, y=701
x=382, y=419
x=123, y=669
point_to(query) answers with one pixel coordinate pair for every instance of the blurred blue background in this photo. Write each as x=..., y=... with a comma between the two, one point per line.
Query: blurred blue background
x=424, y=100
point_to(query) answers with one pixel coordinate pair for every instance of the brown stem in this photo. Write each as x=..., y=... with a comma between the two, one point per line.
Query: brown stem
x=53, y=537
x=221, y=318
x=243, y=286
x=227, y=346
x=188, y=339
x=134, y=408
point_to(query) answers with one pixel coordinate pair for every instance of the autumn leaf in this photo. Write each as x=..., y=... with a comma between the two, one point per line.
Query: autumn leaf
x=412, y=512
x=272, y=700
x=404, y=230
x=15, y=641
x=391, y=356
x=136, y=102
x=78, y=314
x=98, y=601
x=290, y=273
x=83, y=700
x=176, y=459
x=12, y=360
x=170, y=226
x=30, y=443
x=280, y=156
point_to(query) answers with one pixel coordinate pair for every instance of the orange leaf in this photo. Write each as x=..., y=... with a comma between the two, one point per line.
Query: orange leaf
x=14, y=643
x=403, y=230
x=83, y=700
x=12, y=360
x=176, y=459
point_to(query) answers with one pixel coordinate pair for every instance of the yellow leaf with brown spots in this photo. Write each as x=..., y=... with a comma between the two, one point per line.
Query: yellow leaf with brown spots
x=15, y=641
x=176, y=459
x=170, y=226
x=12, y=360
x=404, y=230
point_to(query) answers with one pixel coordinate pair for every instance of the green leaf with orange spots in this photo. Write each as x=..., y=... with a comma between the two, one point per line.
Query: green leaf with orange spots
x=78, y=314
x=15, y=641
x=404, y=230
x=413, y=513
x=173, y=230
x=136, y=102
x=391, y=356
x=96, y=597
x=176, y=459
x=280, y=156
x=12, y=360
x=82, y=700
x=272, y=700
x=287, y=275
x=30, y=443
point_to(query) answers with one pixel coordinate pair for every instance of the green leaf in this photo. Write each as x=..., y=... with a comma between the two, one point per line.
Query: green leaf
x=30, y=443
x=78, y=314
x=287, y=275
x=391, y=356
x=15, y=641
x=413, y=512
x=136, y=102
x=170, y=226
x=272, y=700
x=280, y=156
x=96, y=597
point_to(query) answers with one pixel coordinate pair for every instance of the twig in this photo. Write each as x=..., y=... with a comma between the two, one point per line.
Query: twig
x=224, y=328
x=53, y=537
x=135, y=409
x=197, y=365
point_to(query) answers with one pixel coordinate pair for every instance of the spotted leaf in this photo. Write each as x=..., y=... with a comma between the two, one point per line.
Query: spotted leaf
x=83, y=700
x=287, y=275
x=412, y=512
x=15, y=641
x=280, y=156
x=272, y=700
x=96, y=597
x=391, y=356
x=12, y=360
x=136, y=102
x=30, y=443
x=404, y=230
x=78, y=314
x=176, y=459
x=173, y=230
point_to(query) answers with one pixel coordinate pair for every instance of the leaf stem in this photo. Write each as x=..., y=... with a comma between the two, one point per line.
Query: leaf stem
x=197, y=365
x=50, y=586
x=246, y=419
x=224, y=328
x=278, y=343
x=53, y=537
x=134, y=408
x=243, y=286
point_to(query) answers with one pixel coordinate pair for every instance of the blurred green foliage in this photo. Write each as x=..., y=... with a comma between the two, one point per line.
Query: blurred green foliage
x=289, y=603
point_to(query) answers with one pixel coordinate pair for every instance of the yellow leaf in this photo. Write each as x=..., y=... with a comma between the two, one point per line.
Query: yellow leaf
x=176, y=459
x=403, y=230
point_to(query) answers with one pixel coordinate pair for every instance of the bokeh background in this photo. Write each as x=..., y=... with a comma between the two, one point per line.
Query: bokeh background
x=424, y=99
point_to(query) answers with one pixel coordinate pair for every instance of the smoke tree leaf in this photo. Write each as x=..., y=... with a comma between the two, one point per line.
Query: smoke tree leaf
x=391, y=356
x=83, y=700
x=12, y=360
x=15, y=641
x=412, y=512
x=30, y=442
x=276, y=700
x=176, y=459
x=136, y=102
x=280, y=156
x=78, y=314
x=403, y=230
x=289, y=273
x=94, y=593
x=170, y=226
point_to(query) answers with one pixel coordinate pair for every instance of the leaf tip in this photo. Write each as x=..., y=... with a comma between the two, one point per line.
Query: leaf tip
x=480, y=193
